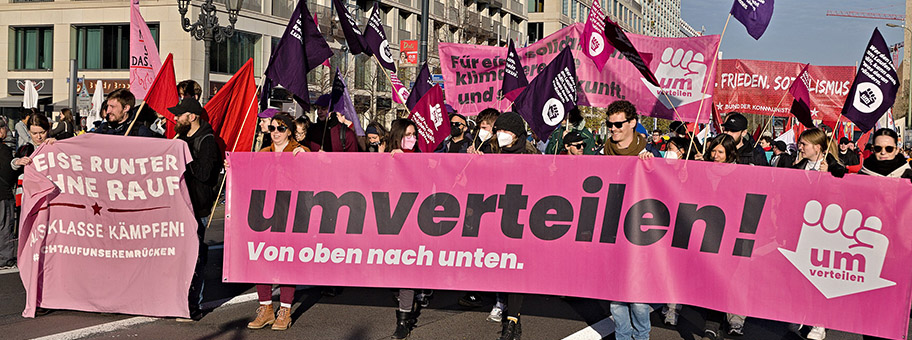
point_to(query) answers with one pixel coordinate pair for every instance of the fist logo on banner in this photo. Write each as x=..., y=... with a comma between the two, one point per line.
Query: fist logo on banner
x=681, y=74
x=436, y=115
x=840, y=253
x=596, y=44
x=385, y=52
x=868, y=98
x=553, y=112
x=403, y=93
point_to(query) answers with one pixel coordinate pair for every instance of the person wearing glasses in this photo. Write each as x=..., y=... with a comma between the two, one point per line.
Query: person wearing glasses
x=575, y=144
x=622, y=122
x=573, y=123
x=459, y=139
x=886, y=160
x=280, y=131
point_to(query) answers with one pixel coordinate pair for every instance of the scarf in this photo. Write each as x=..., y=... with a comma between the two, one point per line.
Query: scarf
x=638, y=144
x=872, y=166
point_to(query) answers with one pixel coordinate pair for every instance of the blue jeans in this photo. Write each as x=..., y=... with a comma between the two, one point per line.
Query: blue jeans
x=631, y=320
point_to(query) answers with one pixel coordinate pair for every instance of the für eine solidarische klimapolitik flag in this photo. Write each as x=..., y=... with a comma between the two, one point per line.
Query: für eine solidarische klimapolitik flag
x=353, y=37
x=755, y=15
x=514, y=80
x=376, y=40
x=550, y=96
x=422, y=85
x=874, y=89
x=301, y=49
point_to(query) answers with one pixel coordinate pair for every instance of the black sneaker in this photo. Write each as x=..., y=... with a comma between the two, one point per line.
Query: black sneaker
x=471, y=300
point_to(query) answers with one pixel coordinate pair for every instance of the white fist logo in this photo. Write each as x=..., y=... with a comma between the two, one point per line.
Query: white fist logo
x=681, y=74
x=385, y=52
x=403, y=93
x=838, y=252
x=436, y=115
x=596, y=44
x=553, y=112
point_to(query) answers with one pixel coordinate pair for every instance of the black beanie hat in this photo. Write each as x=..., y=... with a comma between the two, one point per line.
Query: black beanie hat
x=511, y=121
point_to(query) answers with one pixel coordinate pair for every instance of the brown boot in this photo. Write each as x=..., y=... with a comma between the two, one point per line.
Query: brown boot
x=283, y=319
x=265, y=316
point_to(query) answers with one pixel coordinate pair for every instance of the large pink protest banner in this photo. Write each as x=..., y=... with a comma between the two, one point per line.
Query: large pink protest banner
x=107, y=226
x=780, y=244
x=473, y=74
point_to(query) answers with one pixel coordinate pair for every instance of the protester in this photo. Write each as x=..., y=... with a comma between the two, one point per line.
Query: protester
x=65, y=126
x=38, y=126
x=721, y=149
x=263, y=138
x=280, y=132
x=459, y=139
x=119, y=118
x=886, y=160
x=766, y=143
x=22, y=133
x=781, y=157
x=676, y=147
x=302, y=123
x=189, y=89
x=328, y=133
x=201, y=176
x=484, y=141
x=813, y=146
x=622, y=120
x=575, y=143
x=8, y=237
x=573, y=122
x=846, y=155
x=376, y=137
x=736, y=126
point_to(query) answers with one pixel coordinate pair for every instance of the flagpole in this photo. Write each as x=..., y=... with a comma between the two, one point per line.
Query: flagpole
x=134, y=118
x=769, y=120
x=385, y=72
x=711, y=75
x=233, y=147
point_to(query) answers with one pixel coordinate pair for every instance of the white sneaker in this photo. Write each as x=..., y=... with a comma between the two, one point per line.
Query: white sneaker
x=817, y=333
x=496, y=314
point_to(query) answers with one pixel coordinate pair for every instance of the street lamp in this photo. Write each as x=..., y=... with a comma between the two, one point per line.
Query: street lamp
x=207, y=29
x=908, y=65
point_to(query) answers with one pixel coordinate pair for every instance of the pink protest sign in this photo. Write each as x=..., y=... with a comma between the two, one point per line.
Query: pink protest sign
x=107, y=226
x=780, y=244
x=473, y=74
x=144, y=59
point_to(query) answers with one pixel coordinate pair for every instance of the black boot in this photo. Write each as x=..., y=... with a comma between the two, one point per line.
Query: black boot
x=512, y=330
x=405, y=321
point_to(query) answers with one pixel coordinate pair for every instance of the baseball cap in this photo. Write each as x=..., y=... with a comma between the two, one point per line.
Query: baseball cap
x=735, y=122
x=844, y=140
x=188, y=105
x=268, y=113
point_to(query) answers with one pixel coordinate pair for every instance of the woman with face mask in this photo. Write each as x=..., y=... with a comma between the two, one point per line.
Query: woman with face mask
x=676, y=147
x=510, y=134
x=886, y=161
x=484, y=140
x=376, y=137
x=403, y=136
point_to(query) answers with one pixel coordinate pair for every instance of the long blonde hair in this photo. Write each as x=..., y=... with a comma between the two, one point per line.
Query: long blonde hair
x=818, y=136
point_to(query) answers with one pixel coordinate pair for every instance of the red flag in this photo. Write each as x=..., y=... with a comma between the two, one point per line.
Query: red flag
x=163, y=94
x=232, y=111
x=758, y=132
x=716, y=120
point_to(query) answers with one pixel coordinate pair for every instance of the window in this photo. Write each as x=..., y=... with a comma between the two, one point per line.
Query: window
x=229, y=55
x=383, y=83
x=403, y=22
x=283, y=8
x=564, y=4
x=33, y=48
x=362, y=72
x=536, y=31
x=106, y=47
x=536, y=6
x=573, y=9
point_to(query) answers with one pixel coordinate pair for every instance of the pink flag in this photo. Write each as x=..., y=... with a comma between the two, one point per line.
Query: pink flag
x=325, y=62
x=432, y=120
x=144, y=59
x=399, y=90
x=593, y=39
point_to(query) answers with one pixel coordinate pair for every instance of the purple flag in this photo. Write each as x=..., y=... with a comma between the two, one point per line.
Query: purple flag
x=755, y=15
x=301, y=49
x=552, y=93
x=422, y=85
x=353, y=37
x=341, y=102
x=514, y=80
x=801, y=106
x=874, y=89
x=618, y=39
x=376, y=40
x=593, y=38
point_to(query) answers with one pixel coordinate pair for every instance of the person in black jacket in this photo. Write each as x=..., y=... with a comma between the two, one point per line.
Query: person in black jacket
x=202, y=176
x=459, y=139
x=748, y=152
x=8, y=241
x=118, y=117
x=846, y=154
x=816, y=153
x=781, y=157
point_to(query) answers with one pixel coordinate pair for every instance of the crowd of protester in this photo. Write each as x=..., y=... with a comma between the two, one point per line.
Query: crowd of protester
x=487, y=132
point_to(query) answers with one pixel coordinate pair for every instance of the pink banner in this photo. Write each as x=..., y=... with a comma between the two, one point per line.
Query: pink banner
x=780, y=244
x=473, y=74
x=108, y=229
x=144, y=59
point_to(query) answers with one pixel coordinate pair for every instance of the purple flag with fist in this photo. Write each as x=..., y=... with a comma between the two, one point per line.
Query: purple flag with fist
x=875, y=85
x=755, y=15
x=546, y=101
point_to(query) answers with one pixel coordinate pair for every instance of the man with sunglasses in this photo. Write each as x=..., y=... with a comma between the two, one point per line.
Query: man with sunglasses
x=846, y=155
x=625, y=141
x=575, y=143
x=202, y=177
x=459, y=139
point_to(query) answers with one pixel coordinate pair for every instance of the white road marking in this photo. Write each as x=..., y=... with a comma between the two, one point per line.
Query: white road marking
x=9, y=270
x=597, y=331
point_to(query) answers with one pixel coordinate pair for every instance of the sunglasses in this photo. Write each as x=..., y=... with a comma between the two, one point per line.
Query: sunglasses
x=617, y=125
x=273, y=128
x=889, y=149
x=577, y=145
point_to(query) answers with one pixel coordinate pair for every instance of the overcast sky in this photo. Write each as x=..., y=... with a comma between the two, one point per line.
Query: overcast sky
x=799, y=31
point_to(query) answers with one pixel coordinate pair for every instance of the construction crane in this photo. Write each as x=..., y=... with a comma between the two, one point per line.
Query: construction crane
x=868, y=15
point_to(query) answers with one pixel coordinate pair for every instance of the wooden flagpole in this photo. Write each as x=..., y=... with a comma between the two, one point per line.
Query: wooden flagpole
x=710, y=76
x=135, y=116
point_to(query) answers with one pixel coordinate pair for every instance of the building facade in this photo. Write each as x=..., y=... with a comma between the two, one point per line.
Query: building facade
x=660, y=18
x=43, y=36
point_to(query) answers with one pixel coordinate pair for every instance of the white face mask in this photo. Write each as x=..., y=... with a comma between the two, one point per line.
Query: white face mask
x=484, y=135
x=504, y=139
x=671, y=155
